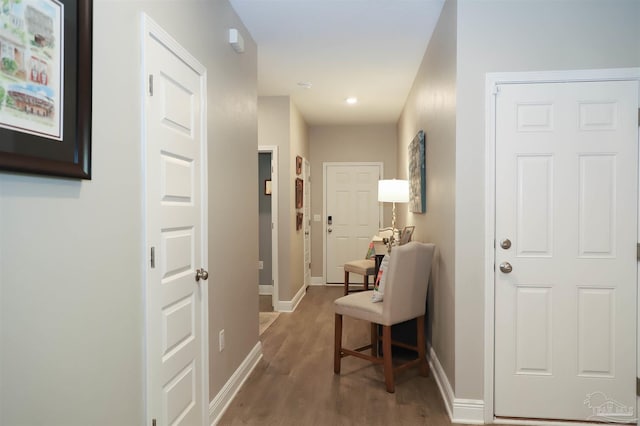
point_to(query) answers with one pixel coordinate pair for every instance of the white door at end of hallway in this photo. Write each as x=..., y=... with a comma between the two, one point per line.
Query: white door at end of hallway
x=175, y=199
x=566, y=268
x=353, y=214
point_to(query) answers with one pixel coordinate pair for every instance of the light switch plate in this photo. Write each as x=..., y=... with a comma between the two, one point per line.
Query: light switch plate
x=317, y=218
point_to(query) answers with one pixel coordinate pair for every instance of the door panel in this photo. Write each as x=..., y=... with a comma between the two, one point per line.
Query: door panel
x=176, y=308
x=352, y=203
x=566, y=197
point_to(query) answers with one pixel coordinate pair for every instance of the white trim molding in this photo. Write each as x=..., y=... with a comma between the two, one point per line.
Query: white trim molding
x=220, y=403
x=465, y=411
x=492, y=84
x=291, y=305
x=265, y=290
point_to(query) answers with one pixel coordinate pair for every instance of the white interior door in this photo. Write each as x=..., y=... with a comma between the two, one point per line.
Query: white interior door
x=177, y=389
x=566, y=199
x=352, y=214
x=307, y=222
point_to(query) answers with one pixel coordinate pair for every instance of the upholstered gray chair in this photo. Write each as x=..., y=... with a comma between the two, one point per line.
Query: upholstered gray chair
x=404, y=298
x=364, y=267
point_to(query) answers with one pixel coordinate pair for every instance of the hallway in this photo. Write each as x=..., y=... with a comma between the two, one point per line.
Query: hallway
x=294, y=383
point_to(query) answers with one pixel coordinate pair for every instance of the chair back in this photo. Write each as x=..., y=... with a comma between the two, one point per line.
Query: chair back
x=405, y=292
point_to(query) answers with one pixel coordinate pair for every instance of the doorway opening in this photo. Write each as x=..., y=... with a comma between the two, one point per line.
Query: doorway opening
x=268, y=228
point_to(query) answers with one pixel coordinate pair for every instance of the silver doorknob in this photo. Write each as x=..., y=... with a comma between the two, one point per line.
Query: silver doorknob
x=506, y=267
x=329, y=230
x=505, y=244
x=201, y=274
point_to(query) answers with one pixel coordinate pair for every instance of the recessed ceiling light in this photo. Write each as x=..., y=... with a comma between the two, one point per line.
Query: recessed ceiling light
x=305, y=84
x=352, y=100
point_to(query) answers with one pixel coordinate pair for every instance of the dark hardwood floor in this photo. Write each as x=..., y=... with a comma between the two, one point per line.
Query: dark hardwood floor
x=294, y=383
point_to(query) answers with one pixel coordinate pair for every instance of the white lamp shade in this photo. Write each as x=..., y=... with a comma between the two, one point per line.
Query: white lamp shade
x=393, y=191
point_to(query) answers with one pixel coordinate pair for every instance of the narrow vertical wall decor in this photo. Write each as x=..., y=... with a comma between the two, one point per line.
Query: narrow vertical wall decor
x=417, y=174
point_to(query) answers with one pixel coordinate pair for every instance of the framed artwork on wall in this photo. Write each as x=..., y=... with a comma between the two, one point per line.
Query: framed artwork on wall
x=298, y=165
x=299, y=191
x=45, y=88
x=417, y=174
x=299, y=217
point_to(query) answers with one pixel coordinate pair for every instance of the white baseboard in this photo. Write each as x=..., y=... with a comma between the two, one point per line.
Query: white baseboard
x=219, y=404
x=467, y=411
x=291, y=305
x=265, y=290
x=317, y=281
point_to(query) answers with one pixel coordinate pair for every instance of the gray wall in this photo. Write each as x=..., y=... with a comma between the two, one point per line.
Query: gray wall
x=431, y=106
x=358, y=143
x=281, y=124
x=474, y=37
x=505, y=35
x=264, y=221
x=71, y=271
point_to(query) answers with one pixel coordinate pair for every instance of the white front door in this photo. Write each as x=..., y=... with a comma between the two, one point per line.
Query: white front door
x=307, y=222
x=175, y=194
x=352, y=214
x=565, y=290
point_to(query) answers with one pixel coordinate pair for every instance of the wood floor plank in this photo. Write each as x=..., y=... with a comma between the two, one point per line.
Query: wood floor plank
x=294, y=383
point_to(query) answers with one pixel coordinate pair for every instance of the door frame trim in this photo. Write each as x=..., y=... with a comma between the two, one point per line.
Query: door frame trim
x=151, y=29
x=325, y=166
x=492, y=83
x=273, y=150
x=306, y=224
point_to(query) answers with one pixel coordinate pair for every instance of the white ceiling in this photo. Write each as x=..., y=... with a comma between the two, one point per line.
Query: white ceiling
x=370, y=49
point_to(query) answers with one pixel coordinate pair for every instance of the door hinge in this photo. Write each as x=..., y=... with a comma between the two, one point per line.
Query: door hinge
x=638, y=251
x=637, y=386
x=150, y=84
x=153, y=257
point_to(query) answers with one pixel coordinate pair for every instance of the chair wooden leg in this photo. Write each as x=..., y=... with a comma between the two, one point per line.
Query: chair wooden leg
x=346, y=283
x=424, y=365
x=374, y=339
x=388, y=361
x=365, y=282
x=337, y=345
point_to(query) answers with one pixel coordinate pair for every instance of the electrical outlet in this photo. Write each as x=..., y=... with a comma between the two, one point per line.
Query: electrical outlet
x=221, y=340
x=260, y=264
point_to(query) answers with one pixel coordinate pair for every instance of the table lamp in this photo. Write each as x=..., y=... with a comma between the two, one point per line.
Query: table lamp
x=393, y=191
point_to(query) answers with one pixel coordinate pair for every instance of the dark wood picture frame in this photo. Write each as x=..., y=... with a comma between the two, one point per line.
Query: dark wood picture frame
x=298, y=165
x=71, y=157
x=299, y=192
x=299, y=217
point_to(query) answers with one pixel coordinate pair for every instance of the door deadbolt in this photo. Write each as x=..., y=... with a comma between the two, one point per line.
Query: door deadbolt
x=505, y=244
